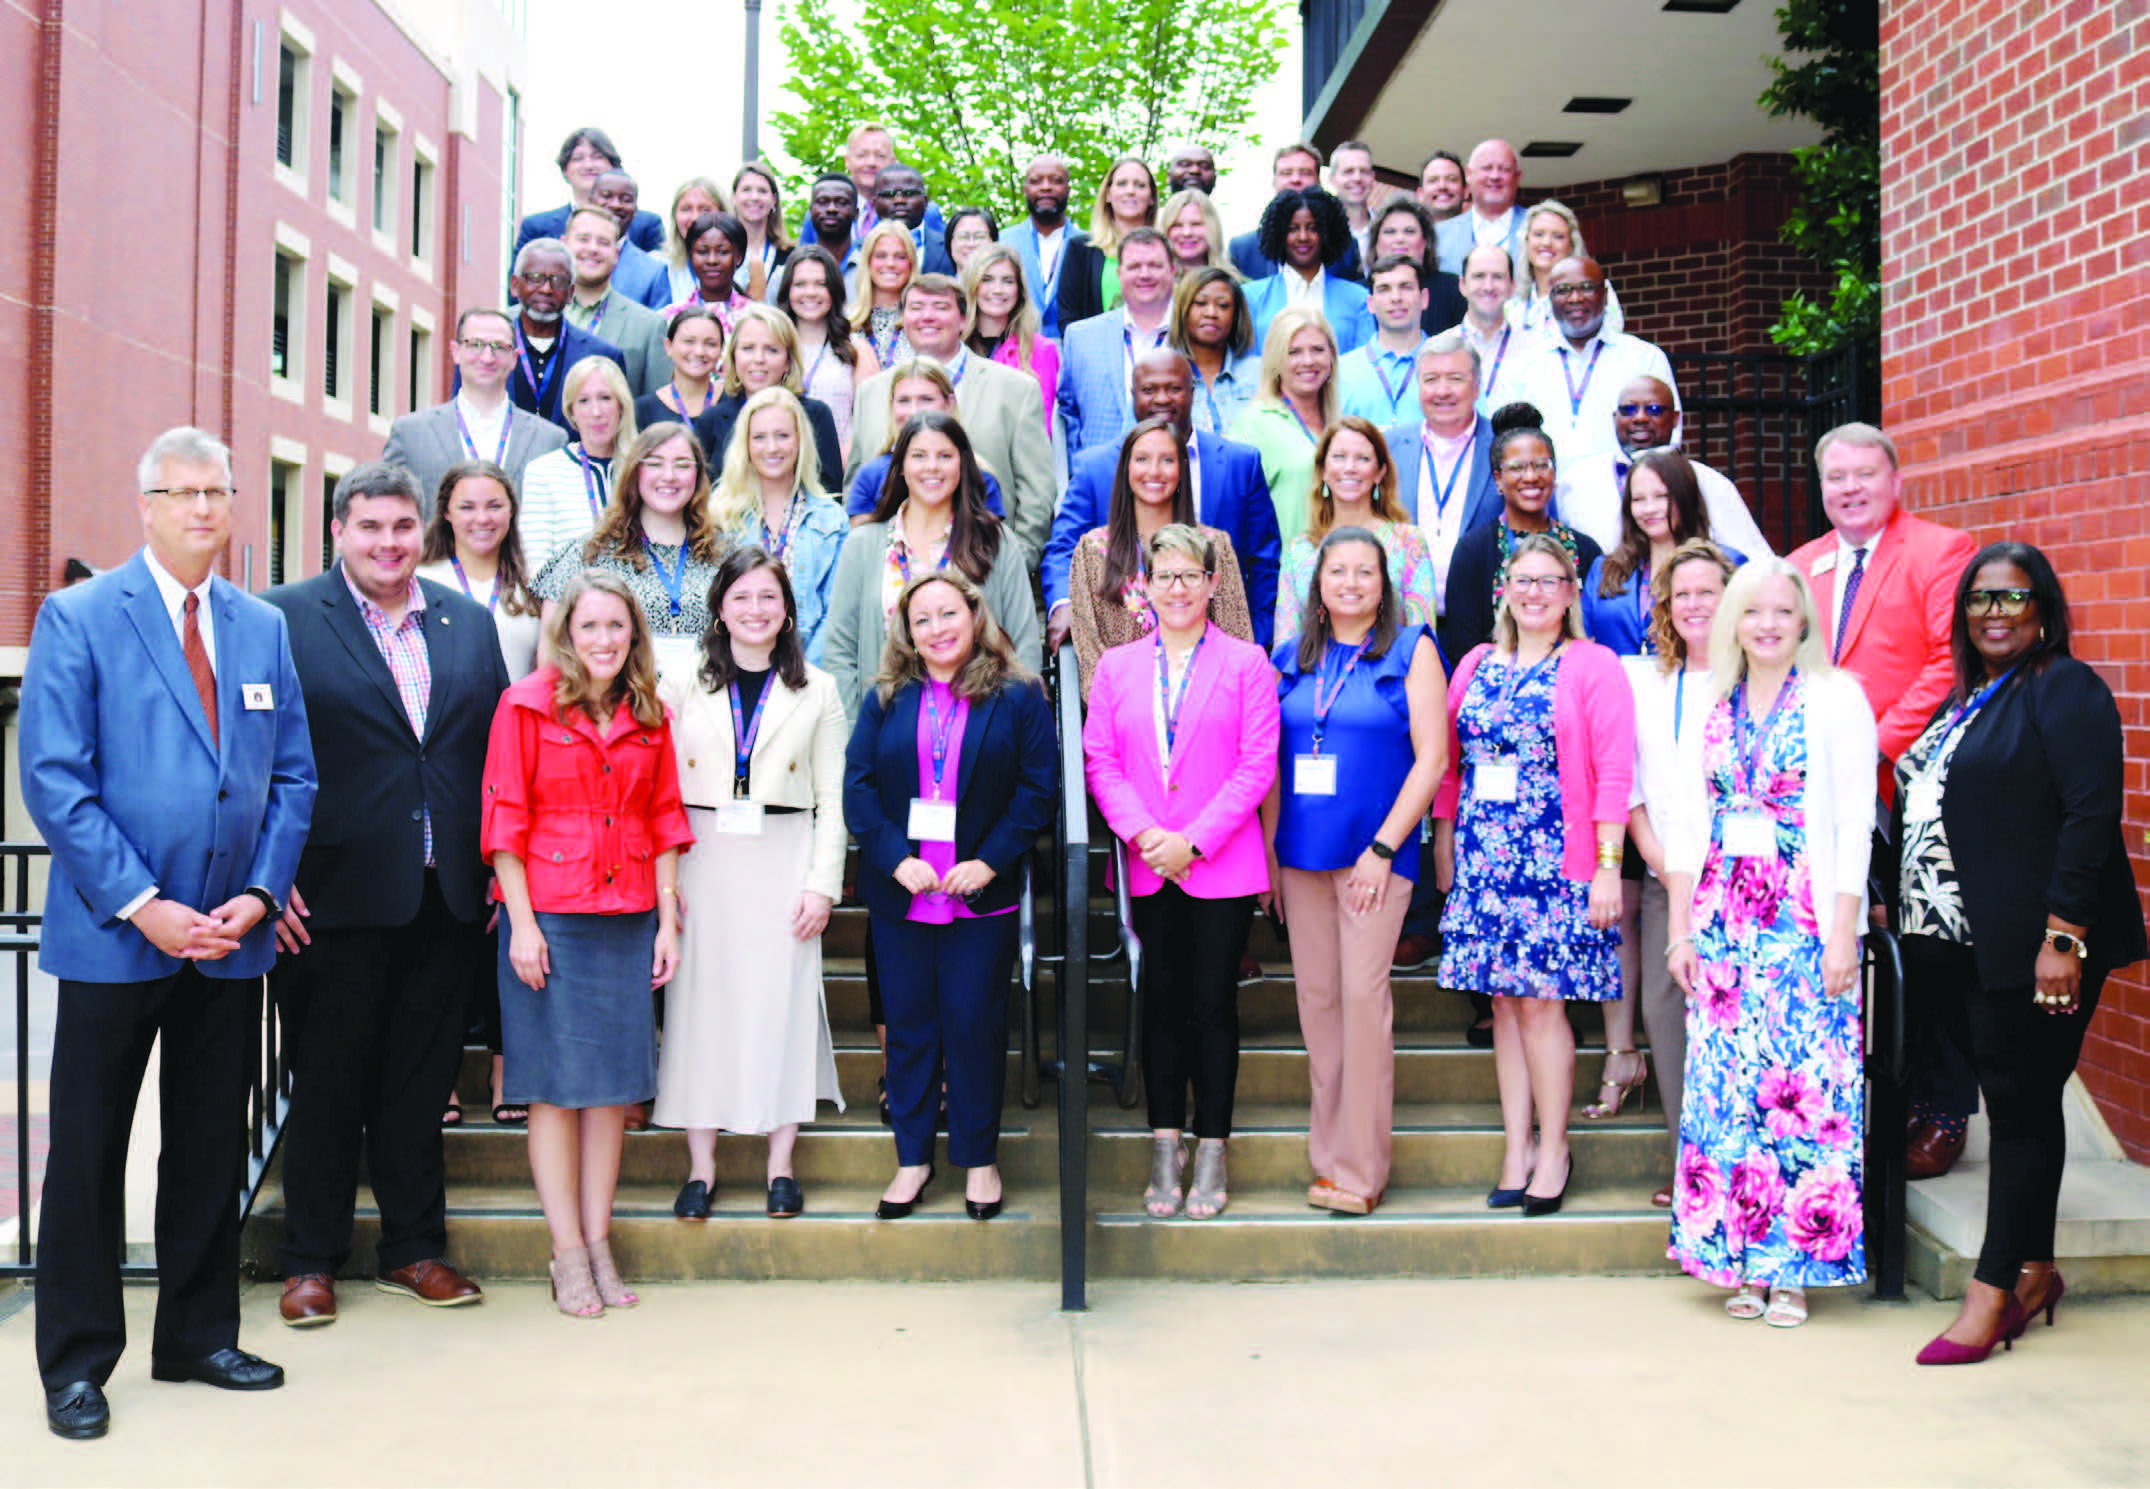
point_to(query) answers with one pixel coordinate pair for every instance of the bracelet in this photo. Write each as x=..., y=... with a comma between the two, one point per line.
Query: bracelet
x=1609, y=855
x=1676, y=943
x=670, y=889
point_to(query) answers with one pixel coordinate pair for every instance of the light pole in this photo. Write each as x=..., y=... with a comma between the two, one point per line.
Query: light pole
x=749, y=134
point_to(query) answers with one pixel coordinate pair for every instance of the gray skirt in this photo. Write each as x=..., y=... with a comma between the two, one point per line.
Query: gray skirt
x=586, y=1038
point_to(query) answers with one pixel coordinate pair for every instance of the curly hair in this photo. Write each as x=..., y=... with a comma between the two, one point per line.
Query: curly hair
x=993, y=663
x=1329, y=221
x=1664, y=636
x=635, y=685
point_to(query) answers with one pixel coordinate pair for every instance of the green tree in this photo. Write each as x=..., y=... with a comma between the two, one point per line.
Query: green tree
x=973, y=89
x=1835, y=80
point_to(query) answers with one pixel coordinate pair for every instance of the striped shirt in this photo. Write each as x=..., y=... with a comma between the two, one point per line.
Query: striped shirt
x=403, y=648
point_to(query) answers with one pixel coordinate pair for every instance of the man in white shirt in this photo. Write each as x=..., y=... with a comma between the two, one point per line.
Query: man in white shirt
x=1351, y=177
x=597, y=306
x=479, y=422
x=1378, y=381
x=1097, y=354
x=1495, y=176
x=1503, y=352
x=1444, y=460
x=1576, y=379
x=1646, y=418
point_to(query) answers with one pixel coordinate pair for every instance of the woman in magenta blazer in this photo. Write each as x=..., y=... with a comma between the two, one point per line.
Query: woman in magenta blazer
x=1180, y=748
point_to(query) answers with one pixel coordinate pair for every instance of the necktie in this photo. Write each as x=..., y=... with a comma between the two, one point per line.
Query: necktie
x=1851, y=597
x=198, y=659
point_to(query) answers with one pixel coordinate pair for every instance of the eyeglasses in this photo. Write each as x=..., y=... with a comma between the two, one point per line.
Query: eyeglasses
x=1527, y=467
x=901, y=193
x=1577, y=290
x=1179, y=579
x=187, y=496
x=555, y=280
x=2006, y=603
x=478, y=348
x=669, y=467
x=1542, y=584
x=1654, y=410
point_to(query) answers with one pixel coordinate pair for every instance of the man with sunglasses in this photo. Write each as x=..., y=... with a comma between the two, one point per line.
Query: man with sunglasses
x=1647, y=417
x=480, y=422
x=1581, y=368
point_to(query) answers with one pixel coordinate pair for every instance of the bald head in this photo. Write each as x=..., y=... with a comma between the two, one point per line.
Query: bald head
x=1578, y=291
x=1164, y=388
x=1645, y=416
x=1495, y=176
x=1045, y=191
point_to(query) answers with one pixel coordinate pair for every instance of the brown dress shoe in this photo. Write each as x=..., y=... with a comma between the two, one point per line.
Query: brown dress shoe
x=309, y=1299
x=1933, y=1153
x=432, y=1282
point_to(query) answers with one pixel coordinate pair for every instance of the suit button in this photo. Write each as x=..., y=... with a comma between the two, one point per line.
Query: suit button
x=223, y=796
x=418, y=814
x=608, y=767
x=556, y=857
x=690, y=762
x=608, y=822
x=793, y=766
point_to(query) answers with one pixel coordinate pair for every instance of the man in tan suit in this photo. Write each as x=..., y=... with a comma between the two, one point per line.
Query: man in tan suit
x=1000, y=407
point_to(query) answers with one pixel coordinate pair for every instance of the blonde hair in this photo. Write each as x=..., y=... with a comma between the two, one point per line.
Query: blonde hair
x=1269, y=388
x=1185, y=539
x=1219, y=256
x=1527, y=281
x=675, y=242
x=779, y=326
x=606, y=371
x=862, y=313
x=636, y=684
x=909, y=370
x=1728, y=659
x=735, y=500
x=1104, y=230
x=1507, y=635
x=992, y=665
x=1023, y=325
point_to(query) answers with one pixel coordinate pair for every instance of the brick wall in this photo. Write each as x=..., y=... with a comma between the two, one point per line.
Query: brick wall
x=2016, y=364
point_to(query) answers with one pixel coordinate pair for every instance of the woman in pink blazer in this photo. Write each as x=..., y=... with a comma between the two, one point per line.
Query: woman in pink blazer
x=1180, y=748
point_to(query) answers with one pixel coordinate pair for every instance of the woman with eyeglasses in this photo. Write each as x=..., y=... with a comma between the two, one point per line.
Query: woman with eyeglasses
x=970, y=229
x=565, y=491
x=1523, y=468
x=2015, y=901
x=1528, y=832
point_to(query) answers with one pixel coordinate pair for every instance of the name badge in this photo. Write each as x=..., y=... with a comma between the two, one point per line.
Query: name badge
x=932, y=821
x=1922, y=800
x=257, y=695
x=1497, y=780
x=741, y=819
x=1313, y=775
x=1823, y=564
x=1750, y=835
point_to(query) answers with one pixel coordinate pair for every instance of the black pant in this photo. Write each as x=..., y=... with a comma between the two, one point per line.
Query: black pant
x=373, y=1019
x=1190, y=1005
x=1939, y=1076
x=211, y=1045
x=2023, y=1057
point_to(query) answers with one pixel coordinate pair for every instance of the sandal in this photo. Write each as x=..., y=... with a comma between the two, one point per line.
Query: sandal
x=1161, y=1200
x=1206, y=1196
x=1787, y=1308
x=453, y=1116
x=606, y=1274
x=1747, y=1302
x=573, y=1291
x=511, y=1114
x=1612, y=1094
x=1326, y=1195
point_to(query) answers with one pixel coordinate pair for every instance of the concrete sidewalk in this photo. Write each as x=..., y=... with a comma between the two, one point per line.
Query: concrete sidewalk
x=1581, y=1382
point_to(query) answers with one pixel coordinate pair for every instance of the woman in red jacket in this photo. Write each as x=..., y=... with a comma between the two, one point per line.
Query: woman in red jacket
x=583, y=827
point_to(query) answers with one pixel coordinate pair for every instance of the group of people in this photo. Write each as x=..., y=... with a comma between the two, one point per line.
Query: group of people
x=1400, y=615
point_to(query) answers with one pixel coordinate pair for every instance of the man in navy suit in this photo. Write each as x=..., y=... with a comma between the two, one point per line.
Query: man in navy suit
x=165, y=761
x=546, y=342
x=585, y=155
x=900, y=195
x=1230, y=495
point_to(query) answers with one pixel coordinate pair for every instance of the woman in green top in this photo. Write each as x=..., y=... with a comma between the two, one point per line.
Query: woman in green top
x=1294, y=402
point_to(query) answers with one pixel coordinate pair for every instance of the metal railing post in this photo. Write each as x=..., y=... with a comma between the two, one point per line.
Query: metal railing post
x=1072, y=1027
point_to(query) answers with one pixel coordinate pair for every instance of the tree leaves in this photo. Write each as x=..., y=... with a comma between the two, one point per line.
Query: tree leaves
x=1838, y=222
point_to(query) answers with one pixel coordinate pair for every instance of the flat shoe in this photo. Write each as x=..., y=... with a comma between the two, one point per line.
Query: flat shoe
x=77, y=1411
x=511, y=1114
x=226, y=1369
x=1746, y=1303
x=693, y=1201
x=1787, y=1308
x=785, y=1198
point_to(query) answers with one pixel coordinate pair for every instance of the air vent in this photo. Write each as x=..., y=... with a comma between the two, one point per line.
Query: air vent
x=1551, y=149
x=1596, y=105
x=1701, y=7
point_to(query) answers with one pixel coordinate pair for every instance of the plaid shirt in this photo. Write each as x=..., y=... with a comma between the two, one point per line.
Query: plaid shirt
x=403, y=648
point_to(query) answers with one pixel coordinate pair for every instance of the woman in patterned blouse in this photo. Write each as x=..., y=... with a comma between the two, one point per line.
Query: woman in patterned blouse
x=1354, y=485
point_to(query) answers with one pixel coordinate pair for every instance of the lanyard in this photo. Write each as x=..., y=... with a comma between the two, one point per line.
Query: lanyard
x=1216, y=410
x=962, y=366
x=1500, y=356
x=1441, y=493
x=1641, y=580
x=492, y=601
x=1575, y=394
x=1325, y=700
x=815, y=370
x=1513, y=683
x=599, y=318
x=1748, y=757
x=1679, y=703
x=1963, y=713
x=745, y=731
x=1166, y=701
x=591, y=486
x=777, y=542
x=679, y=399
x=937, y=733
x=500, y=456
x=552, y=370
x=675, y=579
x=903, y=557
x=1313, y=436
x=1375, y=357
x=1048, y=273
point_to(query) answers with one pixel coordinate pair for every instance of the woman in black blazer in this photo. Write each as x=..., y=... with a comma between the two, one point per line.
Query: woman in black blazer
x=763, y=352
x=1126, y=200
x=2014, y=900
x=948, y=781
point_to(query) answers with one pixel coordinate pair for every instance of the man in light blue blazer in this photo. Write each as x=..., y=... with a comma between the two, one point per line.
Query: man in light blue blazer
x=1041, y=241
x=1097, y=353
x=1495, y=175
x=165, y=761
x=1231, y=495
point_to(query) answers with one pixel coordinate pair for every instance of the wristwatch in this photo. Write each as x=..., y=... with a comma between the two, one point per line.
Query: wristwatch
x=268, y=901
x=2066, y=944
x=1382, y=851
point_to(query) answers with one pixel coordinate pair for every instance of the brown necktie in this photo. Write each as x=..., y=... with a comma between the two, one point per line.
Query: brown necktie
x=198, y=659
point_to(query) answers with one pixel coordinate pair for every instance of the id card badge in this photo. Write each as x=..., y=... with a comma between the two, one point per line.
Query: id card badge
x=1922, y=800
x=257, y=695
x=1750, y=835
x=677, y=657
x=739, y=819
x=932, y=821
x=1497, y=780
x=1313, y=775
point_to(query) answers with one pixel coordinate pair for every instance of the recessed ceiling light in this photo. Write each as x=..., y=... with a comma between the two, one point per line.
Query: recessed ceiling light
x=1551, y=149
x=1596, y=105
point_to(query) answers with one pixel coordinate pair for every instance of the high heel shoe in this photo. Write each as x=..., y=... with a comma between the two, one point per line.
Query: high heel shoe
x=574, y=1293
x=1946, y=1351
x=605, y=1273
x=1604, y=1109
x=1161, y=1200
x=1206, y=1196
x=896, y=1209
x=2050, y=1303
x=1549, y=1204
x=1507, y=1199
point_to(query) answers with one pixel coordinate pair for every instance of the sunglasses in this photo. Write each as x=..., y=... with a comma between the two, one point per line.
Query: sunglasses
x=1654, y=410
x=2006, y=603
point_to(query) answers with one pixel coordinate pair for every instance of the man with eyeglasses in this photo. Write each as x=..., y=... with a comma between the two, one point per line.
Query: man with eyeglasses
x=1577, y=375
x=1589, y=496
x=480, y=422
x=167, y=765
x=547, y=344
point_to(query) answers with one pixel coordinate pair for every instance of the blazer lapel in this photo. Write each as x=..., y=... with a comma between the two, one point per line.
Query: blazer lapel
x=974, y=730
x=1200, y=687
x=230, y=686
x=145, y=609
x=349, y=627
x=440, y=648
x=782, y=704
x=1888, y=553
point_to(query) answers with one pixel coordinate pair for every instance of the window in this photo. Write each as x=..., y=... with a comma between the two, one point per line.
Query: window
x=290, y=106
x=284, y=479
x=380, y=398
x=384, y=178
x=420, y=369
x=421, y=207
x=511, y=167
x=336, y=342
x=342, y=122
x=281, y=329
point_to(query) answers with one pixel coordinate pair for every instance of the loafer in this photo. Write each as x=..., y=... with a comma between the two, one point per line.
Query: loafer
x=227, y=1370
x=77, y=1411
x=786, y=1199
x=1413, y=952
x=1933, y=1152
x=693, y=1201
x=309, y=1300
x=432, y=1282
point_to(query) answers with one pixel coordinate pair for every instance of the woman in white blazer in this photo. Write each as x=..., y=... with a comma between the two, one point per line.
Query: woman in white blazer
x=760, y=738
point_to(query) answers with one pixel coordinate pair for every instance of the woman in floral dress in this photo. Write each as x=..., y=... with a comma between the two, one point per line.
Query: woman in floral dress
x=1767, y=858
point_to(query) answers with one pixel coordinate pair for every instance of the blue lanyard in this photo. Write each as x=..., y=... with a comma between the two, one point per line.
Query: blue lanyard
x=1313, y=436
x=962, y=366
x=599, y=318
x=1679, y=703
x=903, y=560
x=1049, y=274
x=1501, y=356
x=522, y=355
x=500, y=456
x=745, y=731
x=1575, y=394
x=1641, y=580
x=1513, y=683
x=1165, y=700
x=938, y=733
x=780, y=540
x=1375, y=357
x=590, y=485
x=1748, y=757
x=675, y=581
x=679, y=399
x=1441, y=493
x=1963, y=713
x=1325, y=700
x=492, y=600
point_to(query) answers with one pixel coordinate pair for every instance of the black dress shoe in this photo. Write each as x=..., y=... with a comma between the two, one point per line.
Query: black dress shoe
x=785, y=1198
x=227, y=1370
x=1549, y=1204
x=693, y=1201
x=77, y=1411
x=981, y=1209
x=896, y=1209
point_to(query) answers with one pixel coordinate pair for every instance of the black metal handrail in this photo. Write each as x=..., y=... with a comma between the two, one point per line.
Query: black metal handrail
x=1884, y=1200
x=1072, y=1024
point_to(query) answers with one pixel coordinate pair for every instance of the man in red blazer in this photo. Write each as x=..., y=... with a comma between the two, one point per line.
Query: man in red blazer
x=1886, y=585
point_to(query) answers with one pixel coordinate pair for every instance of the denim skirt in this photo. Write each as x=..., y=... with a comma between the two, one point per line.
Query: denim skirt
x=587, y=1037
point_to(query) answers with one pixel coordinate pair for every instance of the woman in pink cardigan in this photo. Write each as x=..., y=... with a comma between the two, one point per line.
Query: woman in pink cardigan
x=1530, y=838
x=1180, y=748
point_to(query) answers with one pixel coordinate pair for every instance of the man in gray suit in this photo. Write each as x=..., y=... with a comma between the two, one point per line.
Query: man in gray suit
x=479, y=422
x=1496, y=179
x=597, y=306
x=1002, y=410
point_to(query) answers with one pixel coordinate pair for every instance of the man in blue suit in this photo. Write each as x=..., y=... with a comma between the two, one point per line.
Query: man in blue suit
x=1041, y=240
x=1230, y=495
x=900, y=195
x=547, y=344
x=165, y=761
x=1098, y=352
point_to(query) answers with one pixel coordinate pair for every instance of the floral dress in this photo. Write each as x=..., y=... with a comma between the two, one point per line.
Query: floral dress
x=1516, y=925
x=1771, y=1131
